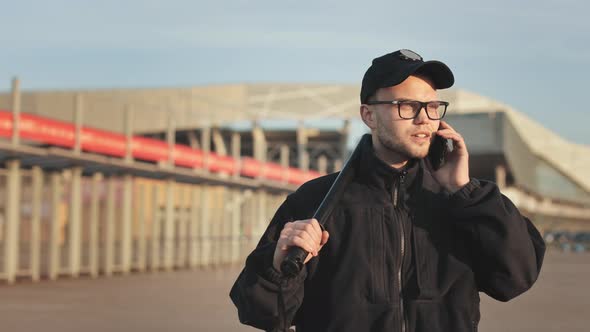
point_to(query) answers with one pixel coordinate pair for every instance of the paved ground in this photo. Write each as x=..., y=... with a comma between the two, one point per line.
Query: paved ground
x=198, y=301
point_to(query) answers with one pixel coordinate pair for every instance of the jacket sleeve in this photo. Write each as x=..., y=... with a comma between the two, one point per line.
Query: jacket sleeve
x=264, y=298
x=507, y=249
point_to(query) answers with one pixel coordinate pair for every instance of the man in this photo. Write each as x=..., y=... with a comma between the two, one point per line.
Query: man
x=407, y=248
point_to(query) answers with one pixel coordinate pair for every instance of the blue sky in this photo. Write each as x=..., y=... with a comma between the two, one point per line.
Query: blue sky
x=533, y=55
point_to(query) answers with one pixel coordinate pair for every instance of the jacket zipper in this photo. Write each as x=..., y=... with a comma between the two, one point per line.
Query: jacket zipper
x=402, y=249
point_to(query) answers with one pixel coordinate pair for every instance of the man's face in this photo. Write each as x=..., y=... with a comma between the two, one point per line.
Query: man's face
x=396, y=138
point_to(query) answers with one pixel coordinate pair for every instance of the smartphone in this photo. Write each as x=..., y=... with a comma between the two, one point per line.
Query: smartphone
x=438, y=152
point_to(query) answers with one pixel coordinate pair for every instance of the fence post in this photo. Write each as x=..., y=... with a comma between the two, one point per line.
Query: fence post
x=13, y=203
x=74, y=226
x=37, y=174
x=94, y=217
x=54, y=241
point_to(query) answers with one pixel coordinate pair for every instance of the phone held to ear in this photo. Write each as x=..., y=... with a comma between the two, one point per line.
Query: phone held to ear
x=438, y=152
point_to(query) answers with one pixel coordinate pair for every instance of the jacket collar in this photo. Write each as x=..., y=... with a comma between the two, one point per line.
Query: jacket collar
x=376, y=173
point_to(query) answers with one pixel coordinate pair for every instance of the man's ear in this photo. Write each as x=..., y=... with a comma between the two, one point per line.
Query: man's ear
x=368, y=116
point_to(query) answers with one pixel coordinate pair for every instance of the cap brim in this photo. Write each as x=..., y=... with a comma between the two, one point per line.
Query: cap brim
x=441, y=75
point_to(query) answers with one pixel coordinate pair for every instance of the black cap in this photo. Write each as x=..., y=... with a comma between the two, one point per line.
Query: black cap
x=393, y=68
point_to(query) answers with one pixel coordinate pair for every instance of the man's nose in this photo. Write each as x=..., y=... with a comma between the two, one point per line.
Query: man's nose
x=422, y=116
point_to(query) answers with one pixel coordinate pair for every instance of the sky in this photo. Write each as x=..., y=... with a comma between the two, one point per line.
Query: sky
x=531, y=55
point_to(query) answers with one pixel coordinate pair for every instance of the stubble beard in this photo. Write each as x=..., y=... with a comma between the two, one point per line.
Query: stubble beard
x=406, y=150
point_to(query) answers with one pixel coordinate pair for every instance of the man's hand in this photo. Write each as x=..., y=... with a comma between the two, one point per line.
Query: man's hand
x=306, y=234
x=454, y=174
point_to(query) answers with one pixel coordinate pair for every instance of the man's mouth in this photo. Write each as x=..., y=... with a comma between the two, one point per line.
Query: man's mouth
x=422, y=134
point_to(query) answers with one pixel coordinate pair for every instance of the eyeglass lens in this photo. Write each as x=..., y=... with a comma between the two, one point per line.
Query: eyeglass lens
x=410, y=109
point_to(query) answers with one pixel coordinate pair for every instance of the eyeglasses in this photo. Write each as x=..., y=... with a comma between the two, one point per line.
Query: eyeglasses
x=409, y=109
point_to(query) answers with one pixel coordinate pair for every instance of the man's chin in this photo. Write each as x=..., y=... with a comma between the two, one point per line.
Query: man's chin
x=421, y=154
x=409, y=150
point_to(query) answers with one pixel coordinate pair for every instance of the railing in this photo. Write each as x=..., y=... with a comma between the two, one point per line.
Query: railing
x=58, y=133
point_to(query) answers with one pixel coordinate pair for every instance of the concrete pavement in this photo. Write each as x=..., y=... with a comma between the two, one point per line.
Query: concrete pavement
x=198, y=301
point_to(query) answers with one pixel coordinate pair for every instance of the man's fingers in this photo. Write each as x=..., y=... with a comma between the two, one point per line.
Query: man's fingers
x=308, y=226
x=449, y=132
x=313, y=228
x=452, y=135
x=325, y=237
x=446, y=125
x=301, y=239
x=446, y=132
x=316, y=226
x=306, y=234
x=458, y=140
x=286, y=242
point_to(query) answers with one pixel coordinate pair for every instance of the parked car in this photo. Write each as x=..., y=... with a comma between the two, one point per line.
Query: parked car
x=568, y=241
x=581, y=241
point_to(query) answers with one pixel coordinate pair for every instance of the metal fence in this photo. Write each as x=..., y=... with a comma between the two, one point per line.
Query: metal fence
x=68, y=224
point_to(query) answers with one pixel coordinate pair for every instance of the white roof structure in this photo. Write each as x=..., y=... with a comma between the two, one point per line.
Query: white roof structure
x=571, y=159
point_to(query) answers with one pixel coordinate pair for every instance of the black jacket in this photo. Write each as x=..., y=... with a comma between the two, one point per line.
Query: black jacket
x=402, y=256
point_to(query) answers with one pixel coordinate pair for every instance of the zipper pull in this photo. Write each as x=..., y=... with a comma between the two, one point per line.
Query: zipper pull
x=399, y=189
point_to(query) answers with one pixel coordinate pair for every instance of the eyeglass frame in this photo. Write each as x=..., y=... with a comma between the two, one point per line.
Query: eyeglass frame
x=423, y=105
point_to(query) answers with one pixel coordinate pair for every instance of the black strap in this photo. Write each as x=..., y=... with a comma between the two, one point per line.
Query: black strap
x=282, y=309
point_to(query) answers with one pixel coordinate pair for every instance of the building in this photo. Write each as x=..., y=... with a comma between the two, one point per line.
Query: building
x=244, y=146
